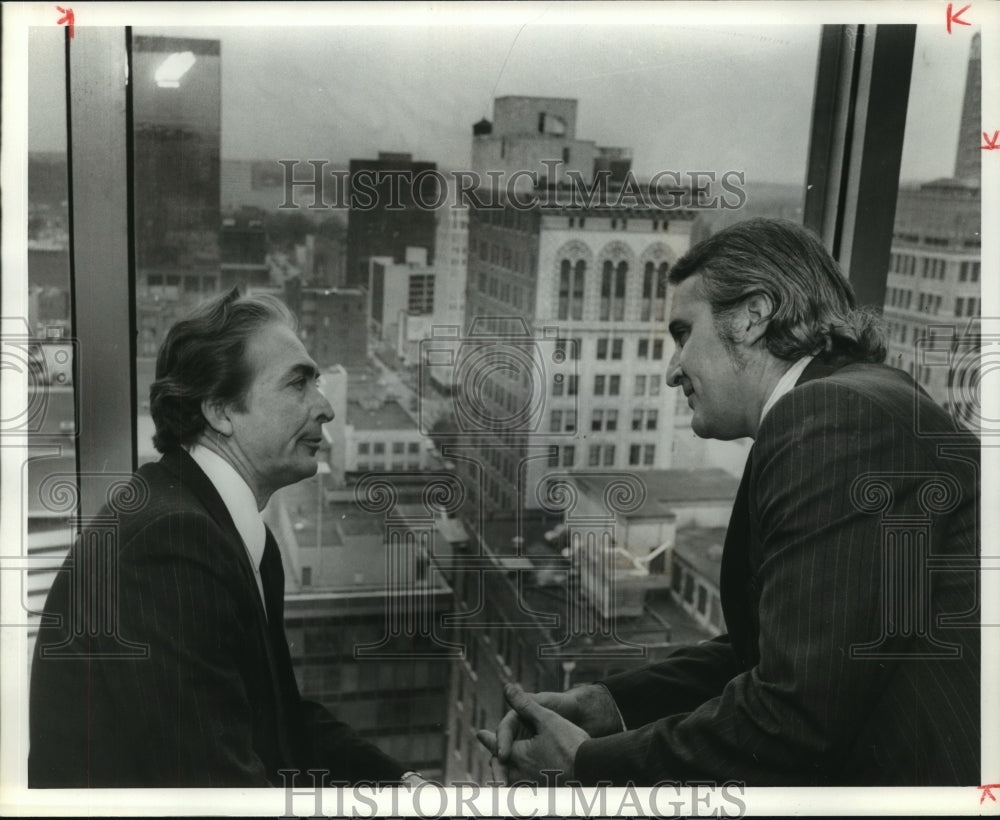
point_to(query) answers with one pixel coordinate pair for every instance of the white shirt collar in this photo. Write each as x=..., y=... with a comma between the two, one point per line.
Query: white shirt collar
x=785, y=384
x=239, y=500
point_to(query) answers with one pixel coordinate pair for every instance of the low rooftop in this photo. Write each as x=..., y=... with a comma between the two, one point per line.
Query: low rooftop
x=387, y=416
x=702, y=549
x=669, y=487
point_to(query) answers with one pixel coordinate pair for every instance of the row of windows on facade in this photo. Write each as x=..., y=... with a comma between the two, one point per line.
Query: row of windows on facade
x=524, y=221
x=602, y=455
x=421, y=294
x=510, y=293
x=336, y=671
x=513, y=650
x=502, y=465
x=604, y=420
x=930, y=303
x=311, y=638
x=569, y=385
x=618, y=224
x=496, y=493
x=501, y=462
x=686, y=585
x=613, y=286
x=573, y=348
x=897, y=331
x=394, y=466
x=510, y=258
x=193, y=283
x=514, y=219
x=492, y=648
x=932, y=267
x=605, y=385
x=936, y=241
x=470, y=714
x=378, y=447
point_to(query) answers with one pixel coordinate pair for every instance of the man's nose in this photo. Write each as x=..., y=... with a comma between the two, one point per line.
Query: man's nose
x=674, y=371
x=324, y=410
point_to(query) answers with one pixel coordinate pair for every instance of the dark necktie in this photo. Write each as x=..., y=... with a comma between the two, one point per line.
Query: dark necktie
x=272, y=576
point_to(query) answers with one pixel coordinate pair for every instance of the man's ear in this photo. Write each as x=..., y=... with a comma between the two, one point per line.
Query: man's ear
x=216, y=413
x=754, y=317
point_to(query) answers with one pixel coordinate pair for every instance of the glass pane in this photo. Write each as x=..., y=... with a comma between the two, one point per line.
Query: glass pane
x=52, y=446
x=324, y=165
x=176, y=104
x=934, y=298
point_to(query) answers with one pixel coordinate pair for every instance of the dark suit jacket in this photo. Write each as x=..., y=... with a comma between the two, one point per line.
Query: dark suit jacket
x=214, y=702
x=782, y=699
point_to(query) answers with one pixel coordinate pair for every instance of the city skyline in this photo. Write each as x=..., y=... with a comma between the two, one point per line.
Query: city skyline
x=349, y=91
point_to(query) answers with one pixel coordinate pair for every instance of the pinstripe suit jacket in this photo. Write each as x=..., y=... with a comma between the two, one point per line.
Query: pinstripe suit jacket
x=814, y=684
x=211, y=700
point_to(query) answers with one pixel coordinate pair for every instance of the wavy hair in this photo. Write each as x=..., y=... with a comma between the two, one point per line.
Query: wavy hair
x=815, y=310
x=203, y=358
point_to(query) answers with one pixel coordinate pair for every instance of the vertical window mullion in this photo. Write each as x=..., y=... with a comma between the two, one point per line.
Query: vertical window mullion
x=101, y=260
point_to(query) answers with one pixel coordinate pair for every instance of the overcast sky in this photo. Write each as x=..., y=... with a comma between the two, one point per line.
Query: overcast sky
x=682, y=97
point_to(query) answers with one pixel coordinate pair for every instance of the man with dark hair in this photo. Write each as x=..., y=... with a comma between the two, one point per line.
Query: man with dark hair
x=847, y=661
x=212, y=700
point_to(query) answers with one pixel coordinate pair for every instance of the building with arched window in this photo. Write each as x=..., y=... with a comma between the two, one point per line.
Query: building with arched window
x=584, y=275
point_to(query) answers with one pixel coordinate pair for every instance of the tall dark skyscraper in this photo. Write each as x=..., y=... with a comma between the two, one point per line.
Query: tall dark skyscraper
x=969, y=155
x=386, y=216
x=177, y=114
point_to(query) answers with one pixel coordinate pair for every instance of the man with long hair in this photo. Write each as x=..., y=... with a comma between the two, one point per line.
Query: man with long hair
x=839, y=666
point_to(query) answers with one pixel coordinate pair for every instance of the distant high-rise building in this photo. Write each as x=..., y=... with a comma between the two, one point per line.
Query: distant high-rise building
x=588, y=290
x=177, y=103
x=452, y=255
x=177, y=116
x=537, y=135
x=933, y=293
x=387, y=214
x=578, y=293
x=968, y=159
x=410, y=300
x=332, y=323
